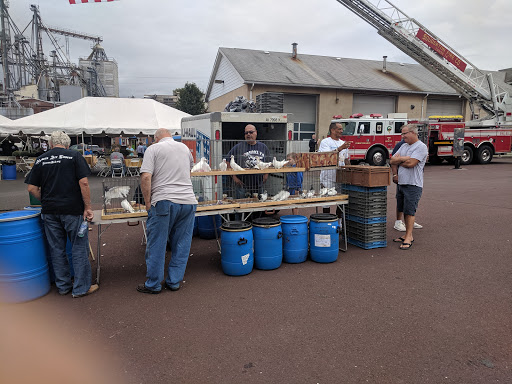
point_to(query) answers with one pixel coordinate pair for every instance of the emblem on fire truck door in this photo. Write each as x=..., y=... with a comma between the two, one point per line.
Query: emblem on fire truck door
x=389, y=128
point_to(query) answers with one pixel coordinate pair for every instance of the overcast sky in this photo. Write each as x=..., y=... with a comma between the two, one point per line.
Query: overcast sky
x=161, y=44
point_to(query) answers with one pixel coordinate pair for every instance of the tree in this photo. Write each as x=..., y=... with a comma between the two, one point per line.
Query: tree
x=190, y=99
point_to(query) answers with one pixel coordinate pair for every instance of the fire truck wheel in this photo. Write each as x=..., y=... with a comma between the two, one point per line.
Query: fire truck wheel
x=484, y=154
x=376, y=156
x=467, y=155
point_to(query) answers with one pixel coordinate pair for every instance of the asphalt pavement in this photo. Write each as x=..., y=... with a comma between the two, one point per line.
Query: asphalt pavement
x=437, y=313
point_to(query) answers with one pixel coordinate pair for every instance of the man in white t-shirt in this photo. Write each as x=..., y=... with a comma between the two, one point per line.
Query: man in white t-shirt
x=171, y=205
x=330, y=144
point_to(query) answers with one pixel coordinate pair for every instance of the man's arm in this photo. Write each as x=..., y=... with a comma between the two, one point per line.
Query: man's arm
x=145, y=186
x=86, y=196
x=34, y=191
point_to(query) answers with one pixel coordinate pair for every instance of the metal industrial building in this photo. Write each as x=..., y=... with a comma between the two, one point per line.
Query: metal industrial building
x=316, y=88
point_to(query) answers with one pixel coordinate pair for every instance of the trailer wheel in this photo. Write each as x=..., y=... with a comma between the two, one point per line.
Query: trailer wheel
x=467, y=155
x=484, y=154
x=376, y=156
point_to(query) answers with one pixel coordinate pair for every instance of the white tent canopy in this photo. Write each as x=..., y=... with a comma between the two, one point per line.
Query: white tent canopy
x=100, y=115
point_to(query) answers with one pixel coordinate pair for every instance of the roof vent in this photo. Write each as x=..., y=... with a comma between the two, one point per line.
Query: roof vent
x=385, y=58
x=266, y=52
x=338, y=58
x=294, y=50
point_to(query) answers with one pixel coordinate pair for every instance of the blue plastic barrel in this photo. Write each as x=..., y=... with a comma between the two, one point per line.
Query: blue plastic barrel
x=206, y=226
x=8, y=172
x=268, y=243
x=196, y=227
x=23, y=266
x=324, y=238
x=295, y=238
x=236, y=242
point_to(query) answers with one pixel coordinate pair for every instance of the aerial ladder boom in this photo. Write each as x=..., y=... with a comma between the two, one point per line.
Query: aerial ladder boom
x=427, y=49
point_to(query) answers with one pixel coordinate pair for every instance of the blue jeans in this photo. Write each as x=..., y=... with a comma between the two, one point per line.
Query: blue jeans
x=59, y=228
x=168, y=220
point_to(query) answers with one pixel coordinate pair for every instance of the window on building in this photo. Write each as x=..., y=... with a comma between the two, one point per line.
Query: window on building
x=303, y=131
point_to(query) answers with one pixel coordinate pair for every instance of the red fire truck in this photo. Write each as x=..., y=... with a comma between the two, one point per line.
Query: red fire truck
x=483, y=137
x=374, y=137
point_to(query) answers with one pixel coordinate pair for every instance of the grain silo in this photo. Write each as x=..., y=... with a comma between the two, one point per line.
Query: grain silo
x=101, y=73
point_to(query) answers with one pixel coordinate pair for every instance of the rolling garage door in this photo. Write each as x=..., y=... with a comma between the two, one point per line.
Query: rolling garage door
x=368, y=104
x=444, y=107
x=303, y=108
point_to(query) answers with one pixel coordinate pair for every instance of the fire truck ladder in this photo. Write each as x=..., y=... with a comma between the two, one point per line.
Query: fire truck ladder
x=401, y=31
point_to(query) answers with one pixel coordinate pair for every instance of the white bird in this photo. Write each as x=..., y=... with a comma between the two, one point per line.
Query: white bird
x=262, y=165
x=224, y=165
x=201, y=166
x=263, y=196
x=119, y=192
x=127, y=206
x=331, y=191
x=279, y=164
x=323, y=192
x=235, y=166
x=310, y=193
x=283, y=195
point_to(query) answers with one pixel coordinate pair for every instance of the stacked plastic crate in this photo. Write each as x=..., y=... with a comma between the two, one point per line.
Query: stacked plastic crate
x=366, y=216
x=270, y=102
x=366, y=188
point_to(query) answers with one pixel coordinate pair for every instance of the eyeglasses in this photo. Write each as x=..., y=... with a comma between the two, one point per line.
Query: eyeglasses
x=250, y=132
x=404, y=133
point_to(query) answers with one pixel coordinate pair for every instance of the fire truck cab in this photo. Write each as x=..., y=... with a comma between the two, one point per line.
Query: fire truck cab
x=373, y=137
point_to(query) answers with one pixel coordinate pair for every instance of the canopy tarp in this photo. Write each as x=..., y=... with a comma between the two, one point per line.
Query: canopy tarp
x=100, y=115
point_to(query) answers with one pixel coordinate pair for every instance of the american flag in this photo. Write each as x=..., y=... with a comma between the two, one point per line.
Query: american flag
x=89, y=1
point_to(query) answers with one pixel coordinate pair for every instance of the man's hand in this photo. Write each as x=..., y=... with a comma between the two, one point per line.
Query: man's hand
x=238, y=181
x=88, y=214
x=345, y=145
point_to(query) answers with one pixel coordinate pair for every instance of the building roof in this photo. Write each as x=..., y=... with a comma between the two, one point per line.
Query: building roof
x=279, y=68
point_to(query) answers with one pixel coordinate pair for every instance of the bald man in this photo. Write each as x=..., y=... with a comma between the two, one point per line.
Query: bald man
x=171, y=206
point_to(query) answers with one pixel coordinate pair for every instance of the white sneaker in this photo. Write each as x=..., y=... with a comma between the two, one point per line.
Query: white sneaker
x=417, y=226
x=399, y=226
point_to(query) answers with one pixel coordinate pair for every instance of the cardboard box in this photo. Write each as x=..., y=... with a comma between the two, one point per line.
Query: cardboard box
x=318, y=159
x=364, y=176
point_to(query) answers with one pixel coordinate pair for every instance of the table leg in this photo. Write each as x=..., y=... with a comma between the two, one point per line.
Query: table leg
x=98, y=253
x=344, y=225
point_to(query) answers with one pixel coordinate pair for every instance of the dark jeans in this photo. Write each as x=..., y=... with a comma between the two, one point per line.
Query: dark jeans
x=407, y=198
x=59, y=228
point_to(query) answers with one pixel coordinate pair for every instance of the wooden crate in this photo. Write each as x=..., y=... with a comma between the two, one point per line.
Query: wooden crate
x=317, y=159
x=363, y=175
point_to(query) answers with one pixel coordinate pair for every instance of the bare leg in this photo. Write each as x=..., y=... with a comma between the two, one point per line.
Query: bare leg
x=409, y=224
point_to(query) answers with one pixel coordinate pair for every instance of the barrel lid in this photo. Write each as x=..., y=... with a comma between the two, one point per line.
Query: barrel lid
x=323, y=217
x=236, y=226
x=266, y=222
x=293, y=219
x=18, y=215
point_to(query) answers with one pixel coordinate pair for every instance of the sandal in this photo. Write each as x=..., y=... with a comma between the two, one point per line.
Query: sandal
x=406, y=246
x=401, y=239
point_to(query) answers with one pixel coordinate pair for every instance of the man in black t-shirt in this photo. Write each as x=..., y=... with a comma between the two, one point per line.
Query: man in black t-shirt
x=59, y=180
x=246, y=155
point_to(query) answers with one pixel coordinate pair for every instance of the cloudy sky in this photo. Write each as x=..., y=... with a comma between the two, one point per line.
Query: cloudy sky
x=161, y=44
